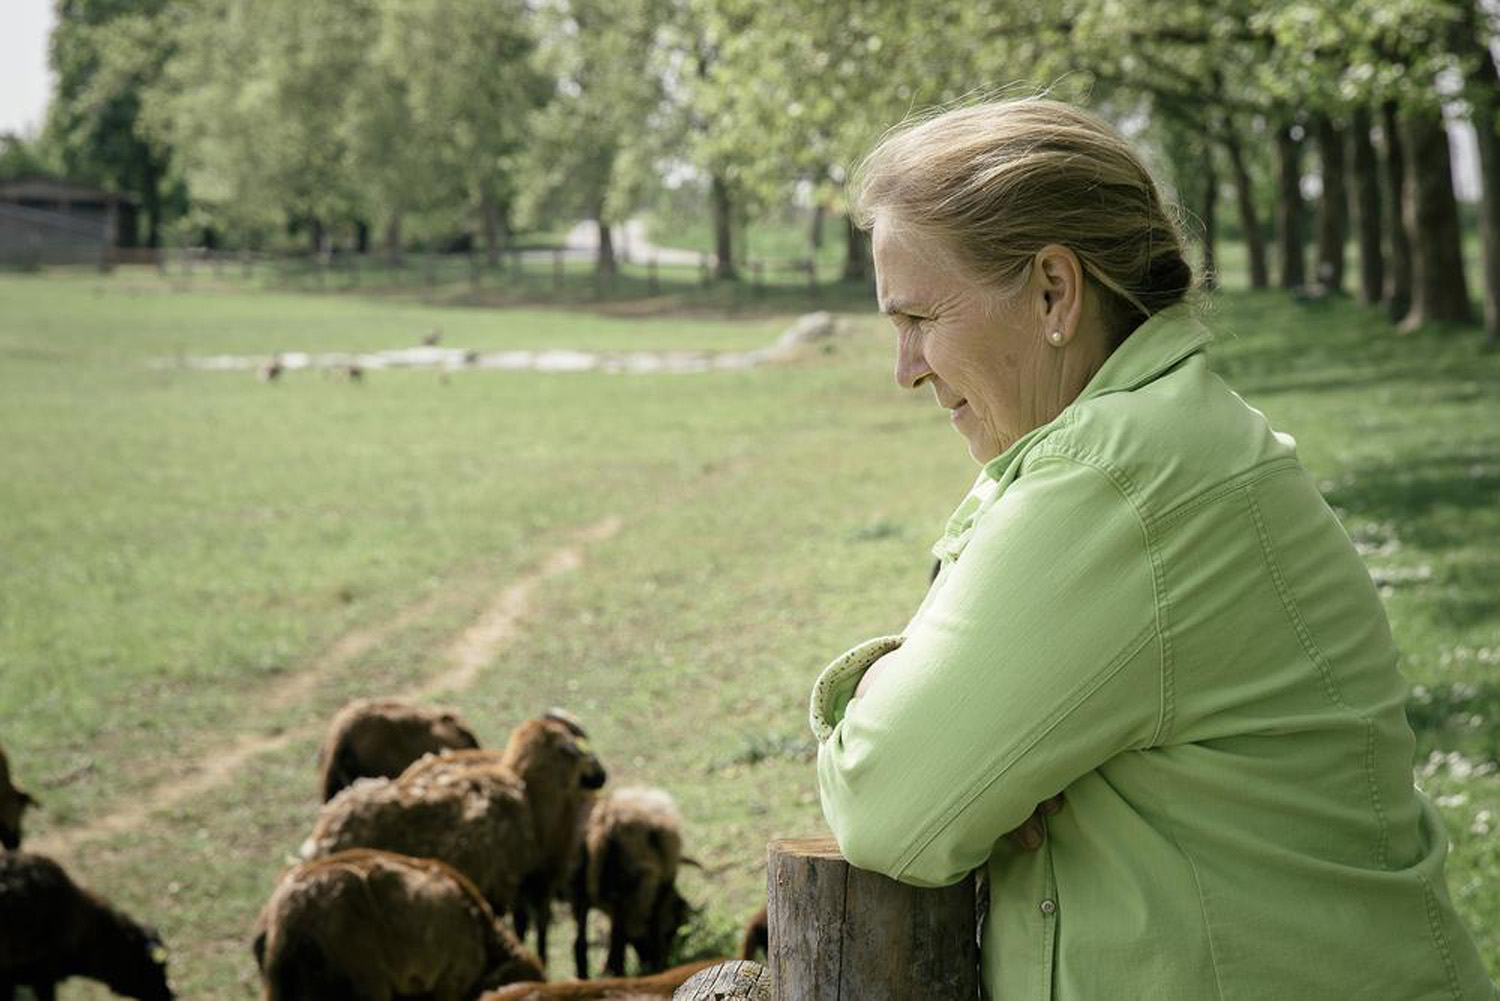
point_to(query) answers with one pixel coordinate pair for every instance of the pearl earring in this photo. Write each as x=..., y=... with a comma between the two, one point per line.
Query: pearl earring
x=1055, y=337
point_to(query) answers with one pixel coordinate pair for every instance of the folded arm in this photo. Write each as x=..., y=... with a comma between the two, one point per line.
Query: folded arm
x=1036, y=662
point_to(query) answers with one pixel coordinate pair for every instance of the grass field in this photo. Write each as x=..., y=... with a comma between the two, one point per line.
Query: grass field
x=198, y=567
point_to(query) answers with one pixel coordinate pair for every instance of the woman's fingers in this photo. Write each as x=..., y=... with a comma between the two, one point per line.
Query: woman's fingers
x=1030, y=835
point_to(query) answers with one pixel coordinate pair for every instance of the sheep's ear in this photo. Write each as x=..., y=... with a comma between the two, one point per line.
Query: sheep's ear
x=258, y=948
x=689, y=860
x=566, y=718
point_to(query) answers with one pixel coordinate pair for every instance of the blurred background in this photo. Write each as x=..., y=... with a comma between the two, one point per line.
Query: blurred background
x=459, y=350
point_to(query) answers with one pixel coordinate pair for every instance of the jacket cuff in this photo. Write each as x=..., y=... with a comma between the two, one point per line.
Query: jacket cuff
x=835, y=685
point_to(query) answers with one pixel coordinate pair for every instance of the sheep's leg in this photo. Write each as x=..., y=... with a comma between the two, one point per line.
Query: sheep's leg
x=543, y=919
x=521, y=919
x=581, y=939
x=45, y=991
x=7, y=991
x=615, y=964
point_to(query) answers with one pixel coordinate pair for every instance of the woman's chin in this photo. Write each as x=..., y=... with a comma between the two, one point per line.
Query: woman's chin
x=983, y=449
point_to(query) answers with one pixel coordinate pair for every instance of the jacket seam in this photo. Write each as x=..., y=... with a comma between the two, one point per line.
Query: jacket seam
x=1224, y=488
x=1208, y=927
x=1435, y=924
x=1325, y=672
x=1161, y=603
x=1077, y=697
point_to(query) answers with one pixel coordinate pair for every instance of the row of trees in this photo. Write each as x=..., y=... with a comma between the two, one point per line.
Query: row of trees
x=377, y=121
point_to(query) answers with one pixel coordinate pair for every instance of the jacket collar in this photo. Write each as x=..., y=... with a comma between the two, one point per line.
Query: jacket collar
x=1159, y=343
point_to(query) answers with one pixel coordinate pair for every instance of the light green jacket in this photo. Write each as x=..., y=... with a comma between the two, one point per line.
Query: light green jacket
x=1147, y=605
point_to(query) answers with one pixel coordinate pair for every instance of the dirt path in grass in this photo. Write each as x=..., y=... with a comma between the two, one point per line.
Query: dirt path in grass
x=463, y=657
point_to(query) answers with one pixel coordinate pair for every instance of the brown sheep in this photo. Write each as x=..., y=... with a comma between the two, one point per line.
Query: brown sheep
x=52, y=929
x=13, y=803
x=379, y=738
x=368, y=925
x=503, y=818
x=657, y=985
x=631, y=854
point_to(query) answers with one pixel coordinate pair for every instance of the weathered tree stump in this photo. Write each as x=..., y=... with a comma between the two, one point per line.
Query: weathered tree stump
x=841, y=932
x=739, y=980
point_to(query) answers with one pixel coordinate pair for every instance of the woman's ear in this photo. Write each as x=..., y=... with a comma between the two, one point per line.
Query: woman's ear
x=1059, y=277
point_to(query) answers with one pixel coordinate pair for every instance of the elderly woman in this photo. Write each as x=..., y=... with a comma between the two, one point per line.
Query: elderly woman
x=1152, y=689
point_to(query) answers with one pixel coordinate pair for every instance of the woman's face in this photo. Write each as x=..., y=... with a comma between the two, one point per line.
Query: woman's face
x=989, y=361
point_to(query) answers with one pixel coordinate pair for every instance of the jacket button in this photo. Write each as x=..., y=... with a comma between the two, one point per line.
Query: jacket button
x=1049, y=906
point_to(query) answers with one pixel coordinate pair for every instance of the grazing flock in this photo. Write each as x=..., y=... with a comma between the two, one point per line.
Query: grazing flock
x=424, y=845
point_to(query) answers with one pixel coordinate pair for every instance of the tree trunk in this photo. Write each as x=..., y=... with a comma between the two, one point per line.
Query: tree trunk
x=723, y=207
x=1484, y=99
x=1289, y=207
x=856, y=252
x=1365, y=200
x=489, y=222
x=1333, y=206
x=1244, y=194
x=815, y=236
x=1438, y=289
x=151, y=203
x=606, y=265
x=393, y=239
x=1397, y=291
x=361, y=237
x=1210, y=217
x=315, y=235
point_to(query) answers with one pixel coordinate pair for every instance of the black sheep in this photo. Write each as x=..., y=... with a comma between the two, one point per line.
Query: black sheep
x=52, y=929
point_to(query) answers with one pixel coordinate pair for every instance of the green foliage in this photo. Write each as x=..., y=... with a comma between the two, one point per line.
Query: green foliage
x=20, y=156
x=587, y=152
x=107, y=55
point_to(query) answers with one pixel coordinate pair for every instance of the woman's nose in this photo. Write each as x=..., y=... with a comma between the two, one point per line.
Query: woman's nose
x=911, y=365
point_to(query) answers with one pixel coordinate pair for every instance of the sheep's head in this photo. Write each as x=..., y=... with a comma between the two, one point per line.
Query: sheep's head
x=451, y=732
x=142, y=968
x=669, y=913
x=556, y=749
x=13, y=803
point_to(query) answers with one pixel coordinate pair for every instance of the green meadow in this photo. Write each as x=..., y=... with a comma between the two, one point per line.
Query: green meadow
x=190, y=560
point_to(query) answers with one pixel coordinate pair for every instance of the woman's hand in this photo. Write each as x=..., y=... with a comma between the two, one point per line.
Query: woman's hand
x=1029, y=836
x=871, y=673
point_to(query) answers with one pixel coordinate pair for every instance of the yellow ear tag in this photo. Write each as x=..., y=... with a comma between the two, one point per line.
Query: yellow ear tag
x=159, y=955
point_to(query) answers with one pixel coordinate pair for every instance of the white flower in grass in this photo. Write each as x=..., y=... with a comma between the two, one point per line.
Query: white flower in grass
x=1483, y=823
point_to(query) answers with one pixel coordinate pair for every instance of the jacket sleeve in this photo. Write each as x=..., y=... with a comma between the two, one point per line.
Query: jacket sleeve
x=1035, y=662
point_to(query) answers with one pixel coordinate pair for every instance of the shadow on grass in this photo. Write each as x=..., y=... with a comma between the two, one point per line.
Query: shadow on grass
x=1456, y=716
x=1428, y=496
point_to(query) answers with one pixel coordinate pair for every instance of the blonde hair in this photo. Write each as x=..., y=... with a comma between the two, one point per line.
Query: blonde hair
x=997, y=182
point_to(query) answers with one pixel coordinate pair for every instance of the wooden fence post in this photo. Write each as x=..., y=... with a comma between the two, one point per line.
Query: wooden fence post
x=651, y=280
x=737, y=980
x=557, y=269
x=841, y=932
